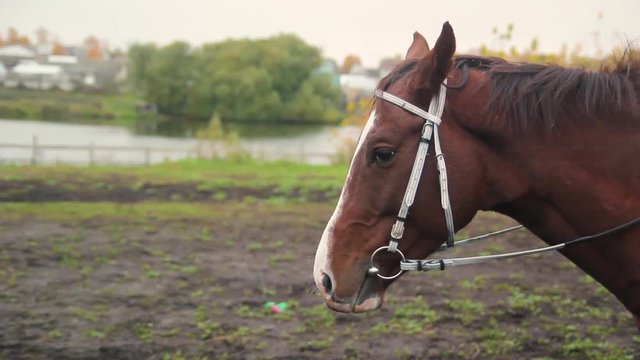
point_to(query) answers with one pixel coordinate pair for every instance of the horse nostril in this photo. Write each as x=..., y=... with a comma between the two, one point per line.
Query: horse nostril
x=326, y=282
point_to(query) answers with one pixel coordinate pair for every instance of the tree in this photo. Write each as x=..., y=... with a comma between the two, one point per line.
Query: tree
x=24, y=40
x=94, y=49
x=172, y=74
x=316, y=99
x=58, y=48
x=162, y=76
x=349, y=62
x=140, y=56
x=242, y=80
x=14, y=38
x=262, y=80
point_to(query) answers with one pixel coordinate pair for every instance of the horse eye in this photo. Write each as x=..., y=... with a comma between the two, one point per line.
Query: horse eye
x=383, y=156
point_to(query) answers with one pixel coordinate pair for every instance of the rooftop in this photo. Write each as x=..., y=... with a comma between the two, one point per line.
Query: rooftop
x=16, y=51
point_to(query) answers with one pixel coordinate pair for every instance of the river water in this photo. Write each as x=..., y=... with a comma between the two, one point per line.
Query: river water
x=311, y=144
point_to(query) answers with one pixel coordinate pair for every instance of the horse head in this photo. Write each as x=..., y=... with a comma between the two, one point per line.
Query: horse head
x=378, y=176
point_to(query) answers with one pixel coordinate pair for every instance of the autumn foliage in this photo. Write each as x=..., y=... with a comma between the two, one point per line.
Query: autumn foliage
x=14, y=38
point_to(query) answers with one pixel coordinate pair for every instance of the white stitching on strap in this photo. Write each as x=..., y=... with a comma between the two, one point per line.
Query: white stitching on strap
x=410, y=107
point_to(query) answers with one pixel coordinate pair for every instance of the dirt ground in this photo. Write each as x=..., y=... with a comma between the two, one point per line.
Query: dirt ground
x=141, y=286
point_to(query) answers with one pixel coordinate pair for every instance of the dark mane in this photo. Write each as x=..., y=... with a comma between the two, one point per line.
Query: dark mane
x=544, y=93
x=541, y=94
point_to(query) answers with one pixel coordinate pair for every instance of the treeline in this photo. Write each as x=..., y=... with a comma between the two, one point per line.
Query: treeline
x=271, y=79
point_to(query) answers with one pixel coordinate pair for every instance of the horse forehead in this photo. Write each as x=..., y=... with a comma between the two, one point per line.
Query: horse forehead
x=394, y=121
x=368, y=127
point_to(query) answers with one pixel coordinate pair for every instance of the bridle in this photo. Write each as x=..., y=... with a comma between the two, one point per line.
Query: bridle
x=433, y=120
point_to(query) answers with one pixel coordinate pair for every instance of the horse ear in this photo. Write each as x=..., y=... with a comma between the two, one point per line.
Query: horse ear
x=419, y=47
x=435, y=65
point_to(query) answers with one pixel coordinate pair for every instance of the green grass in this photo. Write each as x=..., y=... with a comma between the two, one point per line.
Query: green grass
x=71, y=106
x=466, y=310
x=410, y=318
x=122, y=106
x=318, y=317
x=140, y=212
x=497, y=341
x=522, y=301
x=319, y=344
x=209, y=174
x=84, y=314
x=143, y=331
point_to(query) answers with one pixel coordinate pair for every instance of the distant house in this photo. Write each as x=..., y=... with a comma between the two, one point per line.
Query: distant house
x=96, y=74
x=36, y=68
x=358, y=83
x=70, y=64
x=11, y=55
x=68, y=60
x=42, y=51
x=122, y=68
x=32, y=75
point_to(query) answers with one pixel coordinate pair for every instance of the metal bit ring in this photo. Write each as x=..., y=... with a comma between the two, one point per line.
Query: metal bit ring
x=374, y=270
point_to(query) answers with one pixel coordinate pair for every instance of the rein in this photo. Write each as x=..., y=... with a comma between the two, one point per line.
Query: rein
x=430, y=128
x=441, y=264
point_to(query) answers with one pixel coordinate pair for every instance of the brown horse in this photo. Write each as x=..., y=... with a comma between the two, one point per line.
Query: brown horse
x=556, y=149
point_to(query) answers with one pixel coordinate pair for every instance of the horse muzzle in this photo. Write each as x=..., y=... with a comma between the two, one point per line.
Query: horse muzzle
x=369, y=295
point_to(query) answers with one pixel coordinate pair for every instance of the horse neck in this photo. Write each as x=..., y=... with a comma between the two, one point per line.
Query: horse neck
x=585, y=178
x=576, y=181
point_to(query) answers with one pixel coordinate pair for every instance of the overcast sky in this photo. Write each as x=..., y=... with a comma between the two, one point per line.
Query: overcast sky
x=370, y=29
